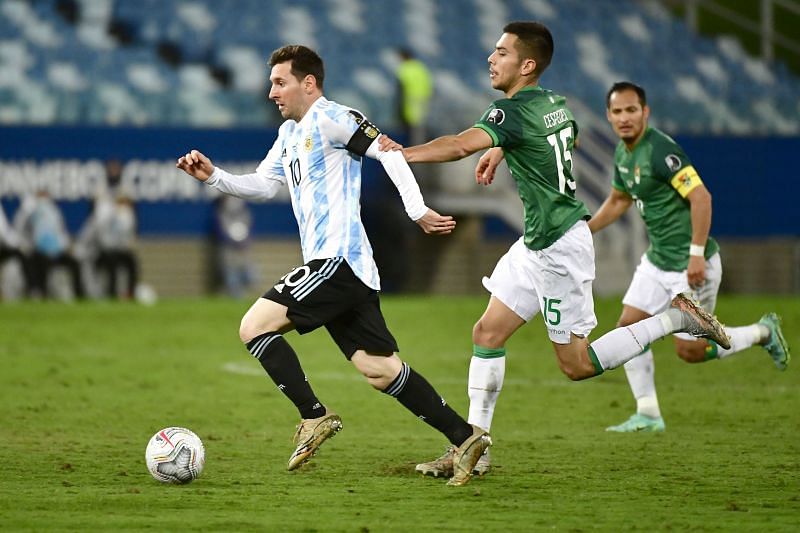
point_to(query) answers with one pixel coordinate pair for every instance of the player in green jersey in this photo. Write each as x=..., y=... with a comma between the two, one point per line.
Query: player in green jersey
x=551, y=267
x=652, y=172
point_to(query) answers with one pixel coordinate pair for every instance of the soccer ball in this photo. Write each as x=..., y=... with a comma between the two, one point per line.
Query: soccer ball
x=175, y=455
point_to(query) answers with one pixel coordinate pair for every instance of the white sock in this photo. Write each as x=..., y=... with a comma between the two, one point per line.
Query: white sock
x=484, y=386
x=623, y=344
x=742, y=338
x=641, y=377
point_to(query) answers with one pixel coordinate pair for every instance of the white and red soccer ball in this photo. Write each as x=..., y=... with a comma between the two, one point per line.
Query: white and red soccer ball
x=175, y=455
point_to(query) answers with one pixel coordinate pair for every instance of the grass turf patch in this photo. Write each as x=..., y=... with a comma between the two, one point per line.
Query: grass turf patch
x=84, y=386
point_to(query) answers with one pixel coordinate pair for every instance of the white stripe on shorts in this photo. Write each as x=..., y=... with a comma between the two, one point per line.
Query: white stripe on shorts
x=316, y=279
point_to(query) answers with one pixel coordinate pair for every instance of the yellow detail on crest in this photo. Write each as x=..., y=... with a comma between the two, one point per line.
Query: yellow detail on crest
x=309, y=144
x=685, y=180
x=371, y=132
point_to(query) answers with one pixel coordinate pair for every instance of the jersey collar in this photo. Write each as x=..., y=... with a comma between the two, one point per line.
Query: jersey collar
x=530, y=88
x=644, y=136
x=319, y=101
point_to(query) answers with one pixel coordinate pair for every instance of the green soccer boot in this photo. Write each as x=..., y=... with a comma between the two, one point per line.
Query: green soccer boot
x=776, y=346
x=639, y=423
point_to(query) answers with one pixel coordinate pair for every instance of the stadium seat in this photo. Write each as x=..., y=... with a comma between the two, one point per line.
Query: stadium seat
x=219, y=54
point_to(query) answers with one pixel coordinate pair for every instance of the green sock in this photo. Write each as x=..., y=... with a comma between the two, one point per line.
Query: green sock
x=712, y=350
x=598, y=368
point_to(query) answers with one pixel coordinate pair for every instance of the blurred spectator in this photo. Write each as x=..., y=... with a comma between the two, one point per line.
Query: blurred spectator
x=69, y=10
x=10, y=249
x=109, y=235
x=384, y=220
x=40, y=224
x=233, y=224
x=415, y=90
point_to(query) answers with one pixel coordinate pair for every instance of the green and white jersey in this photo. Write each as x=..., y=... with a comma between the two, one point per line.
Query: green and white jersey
x=537, y=133
x=658, y=175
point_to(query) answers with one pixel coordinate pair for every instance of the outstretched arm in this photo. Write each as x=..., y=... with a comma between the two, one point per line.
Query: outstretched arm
x=363, y=142
x=449, y=147
x=614, y=206
x=248, y=186
x=399, y=172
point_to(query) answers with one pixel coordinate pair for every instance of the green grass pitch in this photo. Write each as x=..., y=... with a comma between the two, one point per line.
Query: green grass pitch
x=83, y=387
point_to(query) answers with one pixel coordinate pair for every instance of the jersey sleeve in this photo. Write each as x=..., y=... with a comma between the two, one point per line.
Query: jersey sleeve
x=501, y=123
x=616, y=181
x=400, y=173
x=349, y=129
x=263, y=184
x=672, y=165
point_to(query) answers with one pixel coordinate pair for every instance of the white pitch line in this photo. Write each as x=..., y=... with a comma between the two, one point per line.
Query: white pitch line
x=254, y=370
x=246, y=369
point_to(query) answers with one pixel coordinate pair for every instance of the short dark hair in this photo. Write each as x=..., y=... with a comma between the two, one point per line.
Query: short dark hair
x=535, y=42
x=626, y=86
x=304, y=60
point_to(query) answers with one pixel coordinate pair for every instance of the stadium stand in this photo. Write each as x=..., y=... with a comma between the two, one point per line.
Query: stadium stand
x=158, y=71
x=193, y=63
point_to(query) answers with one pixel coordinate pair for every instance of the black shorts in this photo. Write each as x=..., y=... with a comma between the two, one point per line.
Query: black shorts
x=325, y=292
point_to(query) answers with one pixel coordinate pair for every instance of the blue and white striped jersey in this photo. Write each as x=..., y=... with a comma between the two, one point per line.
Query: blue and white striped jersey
x=319, y=158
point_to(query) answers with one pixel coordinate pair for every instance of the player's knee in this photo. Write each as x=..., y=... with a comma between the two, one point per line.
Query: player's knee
x=692, y=352
x=577, y=370
x=483, y=336
x=375, y=376
x=248, y=331
x=379, y=383
x=380, y=371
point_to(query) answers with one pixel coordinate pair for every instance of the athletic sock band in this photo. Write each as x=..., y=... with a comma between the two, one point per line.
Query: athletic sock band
x=418, y=396
x=598, y=368
x=399, y=383
x=487, y=353
x=259, y=344
x=712, y=351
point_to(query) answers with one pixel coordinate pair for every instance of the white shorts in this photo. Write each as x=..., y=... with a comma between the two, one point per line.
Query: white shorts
x=557, y=280
x=652, y=289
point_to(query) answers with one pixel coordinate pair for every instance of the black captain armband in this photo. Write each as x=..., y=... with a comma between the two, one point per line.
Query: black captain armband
x=364, y=136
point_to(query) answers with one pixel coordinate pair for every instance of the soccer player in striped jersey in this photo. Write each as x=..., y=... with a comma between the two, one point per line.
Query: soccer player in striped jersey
x=652, y=172
x=318, y=156
x=550, y=269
